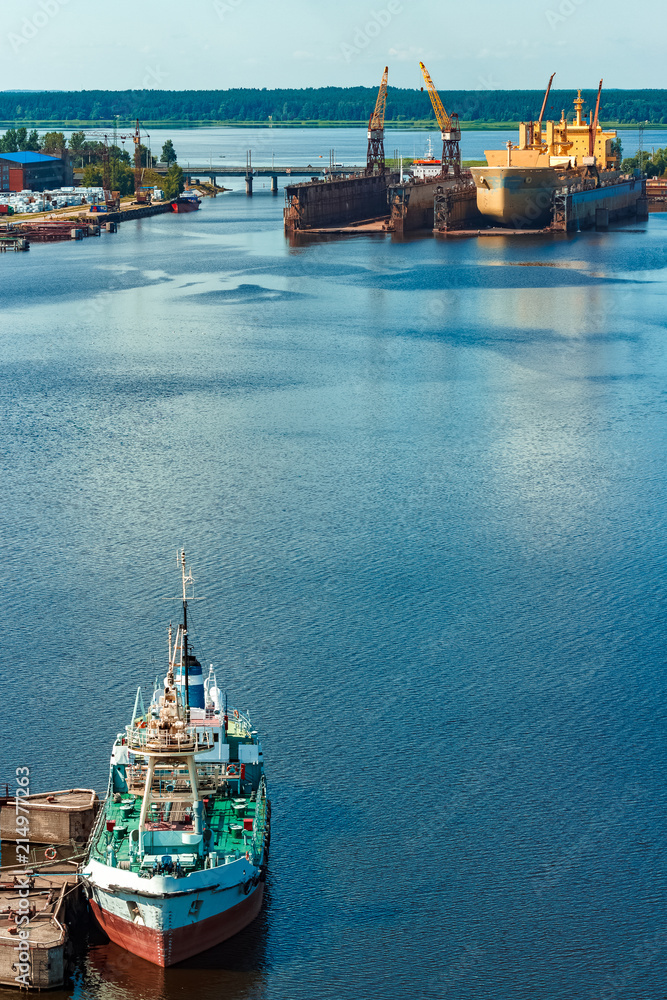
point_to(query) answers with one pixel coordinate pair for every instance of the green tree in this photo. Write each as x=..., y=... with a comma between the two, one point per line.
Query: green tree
x=9, y=142
x=92, y=176
x=121, y=155
x=124, y=179
x=27, y=141
x=77, y=143
x=173, y=182
x=168, y=153
x=54, y=143
x=92, y=151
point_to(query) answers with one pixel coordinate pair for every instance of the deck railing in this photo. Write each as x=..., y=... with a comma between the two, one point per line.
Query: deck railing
x=208, y=776
x=161, y=741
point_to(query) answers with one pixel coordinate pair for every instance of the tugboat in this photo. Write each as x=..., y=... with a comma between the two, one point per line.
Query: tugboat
x=186, y=202
x=176, y=862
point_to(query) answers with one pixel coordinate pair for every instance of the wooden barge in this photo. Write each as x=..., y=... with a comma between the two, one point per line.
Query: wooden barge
x=54, y=818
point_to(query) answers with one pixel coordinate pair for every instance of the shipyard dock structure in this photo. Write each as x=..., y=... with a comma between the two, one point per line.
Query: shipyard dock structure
x=315, y=204
x=561, y=176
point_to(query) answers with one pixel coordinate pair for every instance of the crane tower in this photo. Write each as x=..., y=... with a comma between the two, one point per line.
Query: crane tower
x=449, y=129
x=375, y=157
x=139, y=196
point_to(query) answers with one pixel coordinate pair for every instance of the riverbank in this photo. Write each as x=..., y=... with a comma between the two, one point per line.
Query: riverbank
x=420, y=124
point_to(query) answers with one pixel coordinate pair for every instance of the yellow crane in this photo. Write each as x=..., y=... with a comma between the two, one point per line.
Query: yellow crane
x=375, y=157
x=449, y=129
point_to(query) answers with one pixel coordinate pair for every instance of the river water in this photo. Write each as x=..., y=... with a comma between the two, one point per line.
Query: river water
x=422, y=488
x=219, y=146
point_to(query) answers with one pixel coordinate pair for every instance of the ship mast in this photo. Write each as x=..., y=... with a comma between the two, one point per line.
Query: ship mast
x=186, y=579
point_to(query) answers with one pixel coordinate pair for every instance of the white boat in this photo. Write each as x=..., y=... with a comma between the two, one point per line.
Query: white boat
x=176, y=862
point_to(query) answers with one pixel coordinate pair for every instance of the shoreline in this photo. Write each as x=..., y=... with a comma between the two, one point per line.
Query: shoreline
x=417, y=124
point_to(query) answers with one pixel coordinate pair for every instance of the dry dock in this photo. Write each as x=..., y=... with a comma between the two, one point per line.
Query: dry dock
x=337, y=202
x=583, y=206
x=412, y=203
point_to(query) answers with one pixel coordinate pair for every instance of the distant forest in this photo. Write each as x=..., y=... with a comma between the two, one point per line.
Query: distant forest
x=324, y=105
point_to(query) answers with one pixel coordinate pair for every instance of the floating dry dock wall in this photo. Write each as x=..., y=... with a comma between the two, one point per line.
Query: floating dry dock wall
x=600, y=205
x=323, y=203
x=412, y=202
x=571, y=209
x=456, y=208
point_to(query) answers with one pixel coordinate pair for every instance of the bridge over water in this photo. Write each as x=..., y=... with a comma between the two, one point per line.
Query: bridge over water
x=249, y=172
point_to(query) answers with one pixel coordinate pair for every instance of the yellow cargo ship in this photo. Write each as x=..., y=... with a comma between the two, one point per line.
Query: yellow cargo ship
x=517, y=185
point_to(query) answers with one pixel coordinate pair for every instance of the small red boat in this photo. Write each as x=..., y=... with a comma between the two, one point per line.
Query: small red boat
x=188, y=202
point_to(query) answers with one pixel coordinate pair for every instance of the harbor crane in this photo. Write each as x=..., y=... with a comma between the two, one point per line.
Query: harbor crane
x=449, y=129
x=140, y=197
x=375, y=157
x=534, y=129
x=544, y=102
x=110, y=197
x=593, y=128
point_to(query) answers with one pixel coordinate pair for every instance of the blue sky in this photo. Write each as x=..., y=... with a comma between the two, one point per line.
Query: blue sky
x=487, y=44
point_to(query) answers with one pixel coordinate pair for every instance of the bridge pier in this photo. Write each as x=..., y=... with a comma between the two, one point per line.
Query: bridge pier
x=212, y=178
x=248, y=185
x=274, y=183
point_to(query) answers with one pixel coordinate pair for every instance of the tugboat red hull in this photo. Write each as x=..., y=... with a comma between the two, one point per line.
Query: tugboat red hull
x=185, y=204
x=167, y=947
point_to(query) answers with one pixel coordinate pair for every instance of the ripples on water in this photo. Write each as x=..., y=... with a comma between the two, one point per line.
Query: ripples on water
x=422, y=489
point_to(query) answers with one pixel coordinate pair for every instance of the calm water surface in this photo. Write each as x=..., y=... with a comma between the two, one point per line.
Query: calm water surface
x=422, y=486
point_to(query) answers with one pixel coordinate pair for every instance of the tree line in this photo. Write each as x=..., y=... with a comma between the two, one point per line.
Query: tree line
x=322, y=104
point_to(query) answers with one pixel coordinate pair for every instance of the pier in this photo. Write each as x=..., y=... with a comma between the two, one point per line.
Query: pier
x=250, y=172
x=73, y=225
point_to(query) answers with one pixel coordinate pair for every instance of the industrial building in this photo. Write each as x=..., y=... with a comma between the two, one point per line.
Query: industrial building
x=33, y=172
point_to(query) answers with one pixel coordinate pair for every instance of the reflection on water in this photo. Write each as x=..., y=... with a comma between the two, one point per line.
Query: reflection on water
x=233, y=970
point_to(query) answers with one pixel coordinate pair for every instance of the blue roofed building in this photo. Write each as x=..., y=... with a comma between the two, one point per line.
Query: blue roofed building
x=33, y=172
